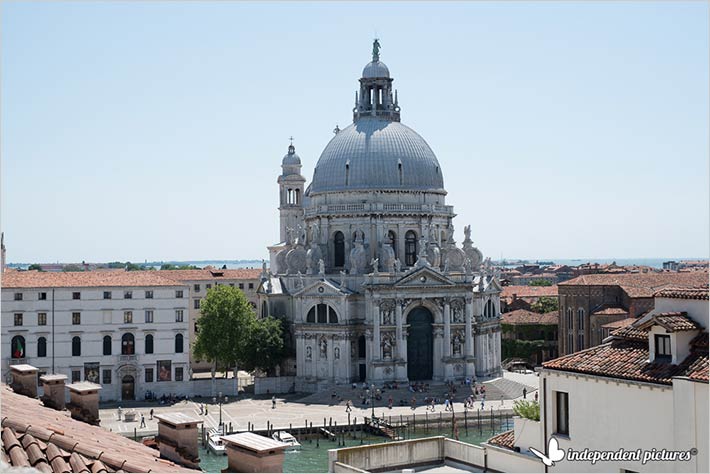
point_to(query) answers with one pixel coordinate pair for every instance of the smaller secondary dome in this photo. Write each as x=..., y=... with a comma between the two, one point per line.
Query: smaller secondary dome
x=291, y=158
x=375, y=69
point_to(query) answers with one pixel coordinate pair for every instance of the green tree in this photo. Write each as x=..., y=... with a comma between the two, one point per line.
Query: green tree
x=35, y=266
x=224, y=327
x=172, y=266
x=540, y=282
x=265, y=347
x=527, y=409
x=545, y=304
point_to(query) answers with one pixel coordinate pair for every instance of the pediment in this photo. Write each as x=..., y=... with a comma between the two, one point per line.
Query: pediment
x=323, y=287
x=430, y=275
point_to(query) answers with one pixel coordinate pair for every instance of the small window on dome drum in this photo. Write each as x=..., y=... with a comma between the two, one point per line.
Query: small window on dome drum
x=410, y=248
x=339, y=249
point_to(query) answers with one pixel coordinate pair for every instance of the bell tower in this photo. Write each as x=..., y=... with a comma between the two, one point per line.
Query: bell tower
x=291, y=184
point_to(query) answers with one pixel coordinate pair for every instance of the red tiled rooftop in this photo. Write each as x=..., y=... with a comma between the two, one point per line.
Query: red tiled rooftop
x=36, y=279
x=673, y=322
x=684, y=293
x=622, y=323
x=522, y=291
x=523, y=316
x=611, y=311
x=212, y=274
x=642, y=285
x=631, y=333
x=51, y=441
x=503, y=440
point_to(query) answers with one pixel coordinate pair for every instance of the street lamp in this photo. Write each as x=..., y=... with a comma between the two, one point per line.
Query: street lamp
x=220, y=400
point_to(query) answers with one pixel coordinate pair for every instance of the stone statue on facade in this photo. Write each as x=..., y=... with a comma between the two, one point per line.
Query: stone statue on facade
x=309, y=353
x=336, y=353
x=342, y=278
x=299, y=282
x=315, y=233
x=397, y=265
x=323, y=348
x=358, y=255
x=456, y=344
x=375, y=262
x=387, y=347
x=467, y=233
x=388, y=257
x=376, y=50
x=422, y=257
x=321, y=267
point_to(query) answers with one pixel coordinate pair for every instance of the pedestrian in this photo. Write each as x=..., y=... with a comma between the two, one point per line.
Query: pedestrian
x=525, y=392
x=142, y=421
x=348, y=408
x=446, y=405
x=120, y=412
x=535, y=396
x=202, y=408
x=501, y=399
x=273, y=402
x=151, y=413
x=483, y=401
x=389, y=402
x=414, y=403
x=206, y=407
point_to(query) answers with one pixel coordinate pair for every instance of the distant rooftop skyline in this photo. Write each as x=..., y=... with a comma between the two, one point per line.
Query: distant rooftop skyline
x=155, y=131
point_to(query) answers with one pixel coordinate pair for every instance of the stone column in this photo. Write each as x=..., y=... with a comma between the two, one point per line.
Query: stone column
x=377, y=343
x=400, y=338
x=468, y=352
x=447, y=328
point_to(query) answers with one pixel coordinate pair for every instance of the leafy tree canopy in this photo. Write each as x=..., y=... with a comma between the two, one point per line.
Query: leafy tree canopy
x=540, y=282
x=172, y=266
x=545, y=304
x=265, y=344
x=35, y=266
x=527, y=409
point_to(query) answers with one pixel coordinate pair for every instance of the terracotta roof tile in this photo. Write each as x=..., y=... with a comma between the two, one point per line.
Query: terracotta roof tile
x=673, y=322
x=68, y=445
x=610, y=311
x=212, y=274
x=522, y=291
x=622, y=323
x=523, y=316
x=504, y=440
x=35, y=279
x=642, y=285
x=700, y=293
x=631, y=333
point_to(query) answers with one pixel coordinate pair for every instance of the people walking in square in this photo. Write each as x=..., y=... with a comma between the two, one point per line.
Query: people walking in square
x=151, y=413
x=413, y=402
x=142, y=421
x=446, y=405
x=389, y=402
x=535, y=396
x=525, y=392
x=348, y=408
x=273, y=402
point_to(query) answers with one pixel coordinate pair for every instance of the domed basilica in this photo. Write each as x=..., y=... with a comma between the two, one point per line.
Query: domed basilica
x=367, y=270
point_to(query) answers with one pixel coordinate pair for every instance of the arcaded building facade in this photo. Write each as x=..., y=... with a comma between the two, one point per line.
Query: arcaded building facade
x=367, y=270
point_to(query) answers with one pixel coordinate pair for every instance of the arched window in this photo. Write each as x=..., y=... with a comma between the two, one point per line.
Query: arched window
x=178, y=343
x=570, y=313
x=42, y=347
x=580, y=318
x=392, y=237
x=149, y=344
x=264, y=310
x=323, y=314
x=410, y=248
x=18, y=347
x=298, y=196
x=107, y=345
x=128, y=344
x=490, y=310
x=339, y=249
x=76, y=346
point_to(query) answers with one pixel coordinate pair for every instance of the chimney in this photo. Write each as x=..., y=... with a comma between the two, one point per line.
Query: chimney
x=24, y=379
x=250, y=452
x=177, y=439
x=54, y=393
x=84, y=404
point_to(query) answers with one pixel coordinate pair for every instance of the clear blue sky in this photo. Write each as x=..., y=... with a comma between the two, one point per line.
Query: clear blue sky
x=135, y=131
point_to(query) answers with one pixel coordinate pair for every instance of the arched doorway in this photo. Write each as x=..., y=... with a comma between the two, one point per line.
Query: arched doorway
x=420, y=345
x=128, y=388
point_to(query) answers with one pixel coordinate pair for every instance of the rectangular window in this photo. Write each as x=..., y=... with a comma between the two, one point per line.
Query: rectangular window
x=41, y=319
x=241, y=286
x=178, y=293
x=76, y=318
x=18, y=296
x=232, y=285
x=178, y=374
x=76, y=295
x=42, y=296
x=149, y=316
x=18, y=319
x=663, y=346
x=75, y=376
x=197, y=304
x=127, y=317
x=107, y=295
x=128, y=295
x=149, y=294
x=197, y=287
x=562, y=412
x=208, y=286
x=251, y=286
x=178, y=315
x=149, y=375
x=106, y=377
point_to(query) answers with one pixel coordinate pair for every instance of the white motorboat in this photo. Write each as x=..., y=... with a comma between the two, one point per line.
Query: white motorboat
x=215, y=443
x=288, y=438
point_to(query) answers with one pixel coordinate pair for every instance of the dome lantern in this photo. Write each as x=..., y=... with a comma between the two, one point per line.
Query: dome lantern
x=375, y=98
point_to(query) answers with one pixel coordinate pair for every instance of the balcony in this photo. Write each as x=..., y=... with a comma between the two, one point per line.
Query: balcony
x=127, y=358
x=378, y=208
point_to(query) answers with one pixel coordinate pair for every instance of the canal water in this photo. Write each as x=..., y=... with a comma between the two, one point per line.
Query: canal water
x=313, y=457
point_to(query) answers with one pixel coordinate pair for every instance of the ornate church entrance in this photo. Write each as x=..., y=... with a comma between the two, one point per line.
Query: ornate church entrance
x=128, y=388
x=420, y=343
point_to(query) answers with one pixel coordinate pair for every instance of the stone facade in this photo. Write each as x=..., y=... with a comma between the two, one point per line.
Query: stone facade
x=367, y=270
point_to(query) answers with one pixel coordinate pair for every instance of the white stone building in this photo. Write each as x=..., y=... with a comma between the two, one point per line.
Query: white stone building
x=645, y=387
x=127, y=331
x=367, y=270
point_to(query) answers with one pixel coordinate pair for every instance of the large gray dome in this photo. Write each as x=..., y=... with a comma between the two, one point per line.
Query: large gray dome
x=374, y=153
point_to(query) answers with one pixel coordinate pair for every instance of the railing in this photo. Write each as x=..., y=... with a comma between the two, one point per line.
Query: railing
x=378, y=207
x=127, y=358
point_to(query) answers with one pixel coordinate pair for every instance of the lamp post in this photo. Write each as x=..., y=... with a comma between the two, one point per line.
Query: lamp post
x=219, y=400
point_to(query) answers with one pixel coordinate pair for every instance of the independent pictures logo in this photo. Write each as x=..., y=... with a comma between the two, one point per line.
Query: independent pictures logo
x=555, y=454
